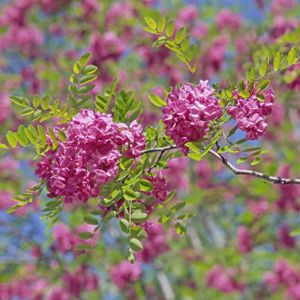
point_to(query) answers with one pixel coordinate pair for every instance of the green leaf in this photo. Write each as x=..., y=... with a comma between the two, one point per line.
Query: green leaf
x=21, y=141
x=180, y=35
x=76, y=68
x=256, y=161
x=263, y=85
x=150, y=22
x=84, y=59
x=91, y=220
x=157, y=101
x=193, y=147
x=139, y=217
x=145, y=185
x=263, y=69
x=87, y=78
x=11, y=139
x=42, y=133
x=150, y=30
x=3, y=146
x=85, y=235
x=292, y=56
x=242, y=160
x=21, y=101
x=251, y=74
x=45, y=102
x=53, y=138
x=124, y=225
x=170, y=28
x=135, y=244
x=195, y=156
x=178, y=206
x=161, y=24
x=295, y=232
x=277, y=61
x=89, y=69
x=36, y=101
x=185, y=43
x=131, y=195
x=180, y=228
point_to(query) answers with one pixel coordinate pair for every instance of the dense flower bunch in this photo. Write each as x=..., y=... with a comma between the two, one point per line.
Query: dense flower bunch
x=250, y=113
x=284, y=277
x=223, y=279
x=125, y=273
x=189, y=111
x=89, y=157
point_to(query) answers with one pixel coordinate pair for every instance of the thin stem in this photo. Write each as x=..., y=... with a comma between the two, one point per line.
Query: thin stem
x=236, y=171
x=230, y=166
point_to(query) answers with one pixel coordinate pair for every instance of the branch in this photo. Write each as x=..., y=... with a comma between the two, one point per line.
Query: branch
x=230, y=166
x=162, y=149
x=236, y=171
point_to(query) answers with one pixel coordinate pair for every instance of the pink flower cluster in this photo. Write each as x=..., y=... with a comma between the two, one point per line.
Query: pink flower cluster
x=288, y=194
x=125, y=273
x=251, y=113
x=89, y=157
x=284, y=277
x=155, y=244
x=228, y=19
x=67, y=239
x=177, y=165
x=284, y=237
x=244, y=240
x=224, y=280
x=189, y=111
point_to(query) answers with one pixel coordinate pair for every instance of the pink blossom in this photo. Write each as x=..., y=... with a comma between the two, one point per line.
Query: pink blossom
x=200, y=30
x=89, y=157
x=251, y=113
x=125, y=273
x=259, y=207
x=58, y=294
x=284, y=237
x=282, y=25
x=228, y=19
x=155, y=244
x=222, y=279
x=64, y=238
x=204, y=174
x=189, y=111
x=177, y=165
x=213, y=59
x=5, y=110
x=244, y=239
x=279, y=6
x=160, y=190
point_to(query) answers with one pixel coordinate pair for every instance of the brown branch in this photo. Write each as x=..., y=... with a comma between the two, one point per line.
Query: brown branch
x=236, y=171
x=230, y=166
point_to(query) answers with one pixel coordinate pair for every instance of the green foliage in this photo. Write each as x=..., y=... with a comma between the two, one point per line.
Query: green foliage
x=180, y=44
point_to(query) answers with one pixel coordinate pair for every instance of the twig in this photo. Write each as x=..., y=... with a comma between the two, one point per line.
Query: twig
x=230, y=166
x=236, y=171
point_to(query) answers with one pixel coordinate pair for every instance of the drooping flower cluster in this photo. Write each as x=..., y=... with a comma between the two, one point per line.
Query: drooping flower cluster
x=125, y=273
x=284, y=277
x=244, y=240
x=223, y=279
x=189, y=111
x=89, y=157
x=251, y=113
x=155, y=244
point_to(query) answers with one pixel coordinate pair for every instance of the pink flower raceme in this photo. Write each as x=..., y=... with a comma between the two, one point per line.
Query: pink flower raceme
x=251, y=113
x=155, y=243
x=228, y=19
x=244, y=240
x=89, y=157
x=189, y=111
x=284, y=237
x=223, y=279
x=125, y=273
